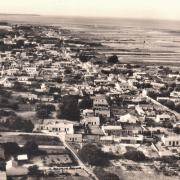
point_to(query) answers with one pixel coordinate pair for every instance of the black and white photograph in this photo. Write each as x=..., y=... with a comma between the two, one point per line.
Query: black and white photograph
x=89, y=90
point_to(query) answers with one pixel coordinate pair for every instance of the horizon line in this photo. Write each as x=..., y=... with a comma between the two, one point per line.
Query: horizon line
x=81, y=16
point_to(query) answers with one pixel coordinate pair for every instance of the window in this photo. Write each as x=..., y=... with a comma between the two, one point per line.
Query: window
x=170, y=143
x=177, y=142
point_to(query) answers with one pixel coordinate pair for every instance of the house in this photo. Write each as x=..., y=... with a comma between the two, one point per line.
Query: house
x=128, y=118
x=138, y=139
x=11, y=72
x=175, y=94
x=122, y=86
x=91, y=121
x=3, y=175
x=146, y=91
x=31, y=71
x=46, y=98
x=157, y=85
x=21, y=159
x=171, y=140
x=25, y=79
x=11, y=163
x=88, y=113
x=107, y=140
x=57, y=126
x=91, y=138
x=29, y=96
x=101, y=106
x=112, y=130
x=6, y=83
x=162, y=117
x=77, y=138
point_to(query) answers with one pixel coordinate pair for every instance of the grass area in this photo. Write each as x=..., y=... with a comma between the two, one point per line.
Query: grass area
x=39, y=139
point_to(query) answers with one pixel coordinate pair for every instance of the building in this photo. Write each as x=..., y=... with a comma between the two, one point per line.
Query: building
x=3, y=175
x=171, y=141
x=91, y=121
x=101, y=106
x=22, y=157
x=55, y=126
x=162, y=117
x=77, y=138
x=112, y=130
x=11, y=163
x=88, y=113
x=128, y=118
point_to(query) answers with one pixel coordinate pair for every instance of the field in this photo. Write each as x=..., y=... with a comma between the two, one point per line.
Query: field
x=59, y=160
x=22, y=139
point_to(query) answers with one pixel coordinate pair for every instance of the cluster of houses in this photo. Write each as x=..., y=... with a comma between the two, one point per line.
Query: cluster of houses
x=40, y=62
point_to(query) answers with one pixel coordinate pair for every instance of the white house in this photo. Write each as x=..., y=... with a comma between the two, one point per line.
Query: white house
x=88, y=113
x=22, y=157
x=11, y=163
x=172, y=140
x=162, y=117
x=31, y=71
x=91, y=121
x=128, y=118
x=57, y=126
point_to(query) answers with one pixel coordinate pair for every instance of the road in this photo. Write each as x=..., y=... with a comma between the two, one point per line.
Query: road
x=164, y=107
x=81, y=164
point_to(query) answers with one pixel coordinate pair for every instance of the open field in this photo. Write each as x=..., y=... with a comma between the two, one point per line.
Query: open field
x=22, y=139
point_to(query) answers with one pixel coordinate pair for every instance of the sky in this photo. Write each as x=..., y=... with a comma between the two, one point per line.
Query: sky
x=153, y=9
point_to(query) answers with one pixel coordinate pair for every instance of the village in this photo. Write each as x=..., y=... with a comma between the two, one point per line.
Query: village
x=68, y=111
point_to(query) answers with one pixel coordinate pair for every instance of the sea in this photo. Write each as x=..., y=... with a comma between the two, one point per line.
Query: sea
x=133, y=40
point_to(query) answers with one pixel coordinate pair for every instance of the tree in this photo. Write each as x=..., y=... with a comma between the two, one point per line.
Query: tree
x=43, y=114
x=177, y=130
x=34, y=171
x=2, y=165
x=169, y=104
x=177, y=108
x=31, y=148
x=68, y=71
x=86, y=103
x=112, y=59
x=83, y=57
x=135, y=156
x=11, y=148
x=152, y=94
x=93, y=155
x=69, y=108
x=104, y=175
x=43, y=111
x=19, y=87
x=17, y=123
